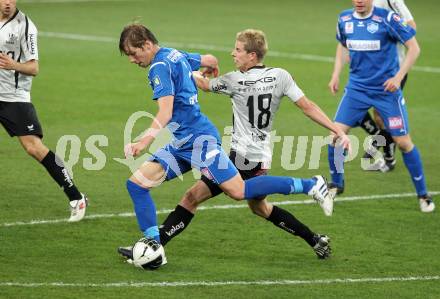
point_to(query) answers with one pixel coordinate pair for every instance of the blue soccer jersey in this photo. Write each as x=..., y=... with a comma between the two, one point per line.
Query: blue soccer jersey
x=372, y=44
x=170, y=74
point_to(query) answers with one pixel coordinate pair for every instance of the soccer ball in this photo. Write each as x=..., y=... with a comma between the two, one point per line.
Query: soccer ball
x=148, y=254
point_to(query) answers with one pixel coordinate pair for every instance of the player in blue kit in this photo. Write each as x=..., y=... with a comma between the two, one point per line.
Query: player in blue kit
x=196, y=143
x=371, y=35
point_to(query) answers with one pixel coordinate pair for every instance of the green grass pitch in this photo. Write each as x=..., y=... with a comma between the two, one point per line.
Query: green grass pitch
x=85, y=88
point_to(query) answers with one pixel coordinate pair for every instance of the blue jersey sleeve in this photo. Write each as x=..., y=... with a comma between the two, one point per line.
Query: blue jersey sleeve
x=340, y=33
x=194, y=59
x=398, y=29
x=161, y=80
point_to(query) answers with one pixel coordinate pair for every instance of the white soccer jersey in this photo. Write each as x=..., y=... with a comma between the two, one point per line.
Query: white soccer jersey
x=18, y=39
x=399, y=7
x=256, y=96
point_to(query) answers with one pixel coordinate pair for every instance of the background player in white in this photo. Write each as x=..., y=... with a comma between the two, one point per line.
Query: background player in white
x=18, y=64
x=256, y=92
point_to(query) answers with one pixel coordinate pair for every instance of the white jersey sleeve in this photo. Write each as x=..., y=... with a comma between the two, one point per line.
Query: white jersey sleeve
x=401, y=9
x=291, y=89
x=28, y=42
x=222, y=84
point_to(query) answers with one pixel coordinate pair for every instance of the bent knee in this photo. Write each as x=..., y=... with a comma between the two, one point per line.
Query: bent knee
x=235, y=194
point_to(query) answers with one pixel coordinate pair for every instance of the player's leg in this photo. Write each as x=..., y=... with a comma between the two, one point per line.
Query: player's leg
x=389, y=148
x=284, y=220
x=395, y=118
x=21, y=120
x=149, y=175
x=351, y=110
x=180, y=218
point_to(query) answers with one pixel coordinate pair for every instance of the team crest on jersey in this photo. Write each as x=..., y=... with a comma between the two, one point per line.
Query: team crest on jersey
x=349, y=27
x=12, y=38
x=395, y=122
x=372, y=27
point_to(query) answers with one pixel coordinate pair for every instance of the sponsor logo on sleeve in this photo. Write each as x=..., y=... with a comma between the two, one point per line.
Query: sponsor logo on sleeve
x=395, y=122
x=32, y=43
x=157, y=85
x=346, y=18
x=219, y=87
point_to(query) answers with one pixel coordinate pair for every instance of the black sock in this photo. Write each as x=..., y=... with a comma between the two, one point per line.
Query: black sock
x=59, y=173
x=289, y=223
x=369, y=125
x=390, y=146
x=175, y=223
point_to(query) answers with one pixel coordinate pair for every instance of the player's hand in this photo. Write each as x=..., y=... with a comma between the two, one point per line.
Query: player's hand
x=342, y=139
x=333, y=85
x=6, y=62
x=392, y=84
x=210, y=72
x=134, y=149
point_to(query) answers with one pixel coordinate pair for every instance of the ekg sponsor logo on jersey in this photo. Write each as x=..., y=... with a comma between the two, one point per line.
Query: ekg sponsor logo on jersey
x=363, y=45
x=262, y=80
x=395, y=122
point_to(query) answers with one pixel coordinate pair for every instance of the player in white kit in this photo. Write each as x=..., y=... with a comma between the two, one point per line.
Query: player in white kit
x=18, y=65
x=256, y=92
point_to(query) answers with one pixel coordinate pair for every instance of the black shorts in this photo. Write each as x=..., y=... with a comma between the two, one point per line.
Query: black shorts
x=250, y=170
x=20, y=119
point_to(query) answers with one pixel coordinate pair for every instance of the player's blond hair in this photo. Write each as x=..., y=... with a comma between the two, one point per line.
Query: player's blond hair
x=254, y=41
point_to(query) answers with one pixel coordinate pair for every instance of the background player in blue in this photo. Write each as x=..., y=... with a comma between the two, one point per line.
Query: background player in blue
x=371, y=35
x=196, y=142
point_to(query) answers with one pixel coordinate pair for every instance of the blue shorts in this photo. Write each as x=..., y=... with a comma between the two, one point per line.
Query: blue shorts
x=390, y=106
x=205, y=154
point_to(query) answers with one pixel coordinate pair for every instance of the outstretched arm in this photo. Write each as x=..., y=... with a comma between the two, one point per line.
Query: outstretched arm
x=201, y=81
x=162, y=118
x=317, y=115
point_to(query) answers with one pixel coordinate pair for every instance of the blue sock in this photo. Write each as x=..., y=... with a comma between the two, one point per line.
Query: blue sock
x=145, y=210
x=336, y=164
x=413, y=163
x=266, y=184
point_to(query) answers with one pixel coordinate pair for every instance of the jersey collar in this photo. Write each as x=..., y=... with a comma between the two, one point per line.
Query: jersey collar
x=15, y=14
x=256, y=67
x=357, y=16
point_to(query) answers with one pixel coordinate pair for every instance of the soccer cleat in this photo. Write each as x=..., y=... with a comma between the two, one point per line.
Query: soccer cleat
x=128, y=254
x=335, y=189
x=322, y=247
x=320, y=193
x=388, y=165
x=78, y=208
x=426, y=204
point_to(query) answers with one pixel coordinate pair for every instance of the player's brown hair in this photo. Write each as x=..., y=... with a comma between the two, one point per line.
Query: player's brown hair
x=135, y=35
x=254, y=41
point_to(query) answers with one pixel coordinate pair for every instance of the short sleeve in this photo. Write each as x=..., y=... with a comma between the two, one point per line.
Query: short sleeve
x=400, y=8
x=194, y=60
x=161, y=80
x=340, y=36
x=290, y=88
x=222, y=84
x=398, y=29
x=28, y=42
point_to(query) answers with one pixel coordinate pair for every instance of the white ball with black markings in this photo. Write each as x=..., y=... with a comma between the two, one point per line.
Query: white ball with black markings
x=148, y=254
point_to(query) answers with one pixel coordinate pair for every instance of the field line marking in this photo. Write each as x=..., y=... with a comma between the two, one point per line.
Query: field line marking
x=222, y=207
x=220, y=283
x=299, y=56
